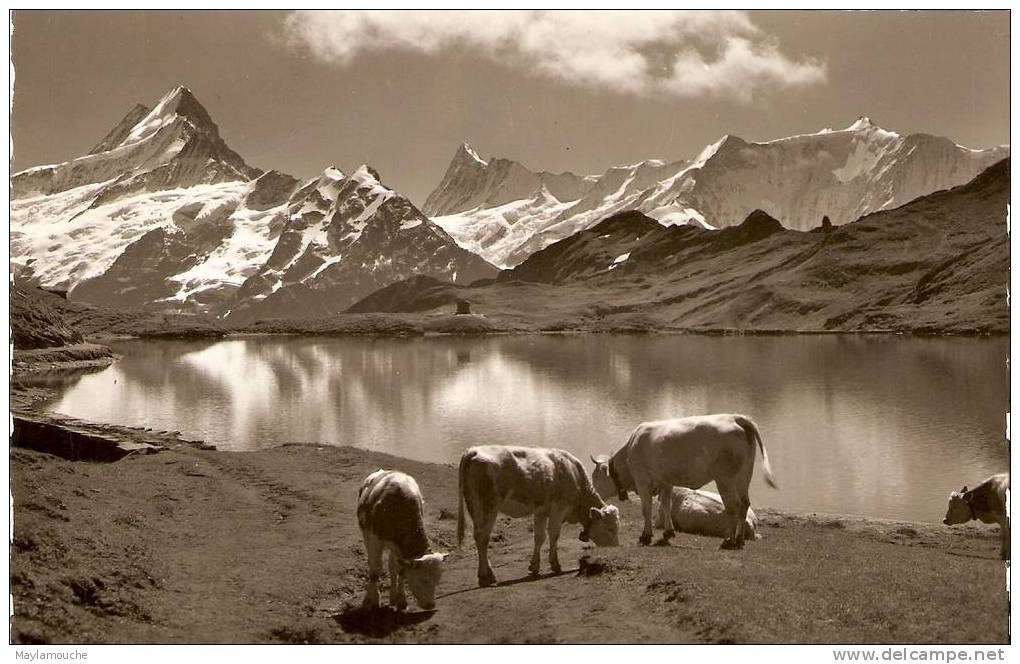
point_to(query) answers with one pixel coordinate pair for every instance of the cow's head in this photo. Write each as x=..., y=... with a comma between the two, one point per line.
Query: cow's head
x=959, y=510
x=422, y=575
x=604, y=480
x=604, y=526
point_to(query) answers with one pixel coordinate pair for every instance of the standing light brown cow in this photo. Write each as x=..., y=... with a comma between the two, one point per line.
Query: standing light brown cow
x=689, y=452
x=391, y=516
x=522, y=481
x=986, y=503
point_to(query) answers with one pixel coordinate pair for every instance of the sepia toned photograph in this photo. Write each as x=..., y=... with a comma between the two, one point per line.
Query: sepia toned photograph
x=529, y=326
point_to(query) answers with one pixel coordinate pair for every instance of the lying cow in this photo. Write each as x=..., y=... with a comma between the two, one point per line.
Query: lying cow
x=986, y=503
x=688, y=452
x=702, y=513
x=390, y=513
x=521, y=481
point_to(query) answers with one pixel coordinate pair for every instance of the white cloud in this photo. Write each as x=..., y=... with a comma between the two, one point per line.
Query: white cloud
x=676, y=53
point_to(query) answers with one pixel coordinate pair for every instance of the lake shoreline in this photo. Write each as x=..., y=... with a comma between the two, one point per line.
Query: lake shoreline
x=189, y=544
x=62, y=358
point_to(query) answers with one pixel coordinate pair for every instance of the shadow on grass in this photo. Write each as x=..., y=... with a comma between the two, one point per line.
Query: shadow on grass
x=662, y=542
x=535, y=577
x=511, y=582
x=378, y=622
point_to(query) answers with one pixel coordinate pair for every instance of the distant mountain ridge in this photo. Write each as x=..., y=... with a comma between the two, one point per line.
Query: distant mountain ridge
x=163, y=213
x=505, y=212
x=939, y=263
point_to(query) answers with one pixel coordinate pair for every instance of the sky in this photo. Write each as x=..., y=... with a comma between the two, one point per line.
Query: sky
x=557, y=91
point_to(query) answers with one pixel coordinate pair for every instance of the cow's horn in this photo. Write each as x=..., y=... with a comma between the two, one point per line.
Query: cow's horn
x=593, y=459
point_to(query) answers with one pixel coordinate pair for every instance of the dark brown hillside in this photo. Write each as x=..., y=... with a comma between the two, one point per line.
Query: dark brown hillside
x=592, y=251
x=35, y=320
x=418, y=293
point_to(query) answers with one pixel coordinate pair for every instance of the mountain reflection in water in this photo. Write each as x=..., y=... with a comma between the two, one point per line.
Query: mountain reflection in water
x=881, y=426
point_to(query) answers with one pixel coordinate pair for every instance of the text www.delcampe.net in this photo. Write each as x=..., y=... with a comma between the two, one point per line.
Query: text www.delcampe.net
x=919, y=655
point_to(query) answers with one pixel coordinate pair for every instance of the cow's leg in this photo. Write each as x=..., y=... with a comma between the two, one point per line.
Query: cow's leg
x=398, y=598
x=373, y=550
x=660, y=518
x=555, y=522
x=666, y=507
x=483, y=530
x=645, y=492
x=536, y=557
x=745, y=504
x=732, y=503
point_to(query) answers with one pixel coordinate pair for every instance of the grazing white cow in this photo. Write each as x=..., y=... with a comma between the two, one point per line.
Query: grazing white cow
x=986, y=503
x=391, y=516
x=702, y=513
x=689, y=452
x=521, y=481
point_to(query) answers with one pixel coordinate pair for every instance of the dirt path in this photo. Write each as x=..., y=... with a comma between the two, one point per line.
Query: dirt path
x=201, y=546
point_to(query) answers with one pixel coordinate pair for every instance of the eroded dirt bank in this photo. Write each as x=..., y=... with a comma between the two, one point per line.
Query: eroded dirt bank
x=198, y=546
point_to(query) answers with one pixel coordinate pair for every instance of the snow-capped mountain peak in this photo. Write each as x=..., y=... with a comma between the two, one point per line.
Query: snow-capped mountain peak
x=862, y=123
x=713, y=148
x=865, y=126
x=176, y=104
x=329, y=182
x=367, y=176
x=163, y=213
x=467, y=152
x=174, y=144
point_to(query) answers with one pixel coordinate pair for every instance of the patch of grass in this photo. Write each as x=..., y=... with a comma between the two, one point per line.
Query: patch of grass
x=461, y=324
x=385, y=325
x=297, y=635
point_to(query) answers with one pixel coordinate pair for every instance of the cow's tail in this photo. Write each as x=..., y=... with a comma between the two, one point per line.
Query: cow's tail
x=753, y=436
x=461, y=471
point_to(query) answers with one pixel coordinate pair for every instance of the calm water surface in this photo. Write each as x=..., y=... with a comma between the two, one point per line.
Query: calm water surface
x=879, y=426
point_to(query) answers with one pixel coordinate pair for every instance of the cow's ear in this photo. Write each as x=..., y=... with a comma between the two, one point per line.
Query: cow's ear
x=595, y=514
x=964, y=489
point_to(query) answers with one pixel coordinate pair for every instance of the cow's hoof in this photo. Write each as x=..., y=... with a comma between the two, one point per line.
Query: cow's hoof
x=401, y=606
x=667, y=535
x=556, y=568
x=486, y=581
x=731, y=545
x=533, y=572
x=645, y=540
